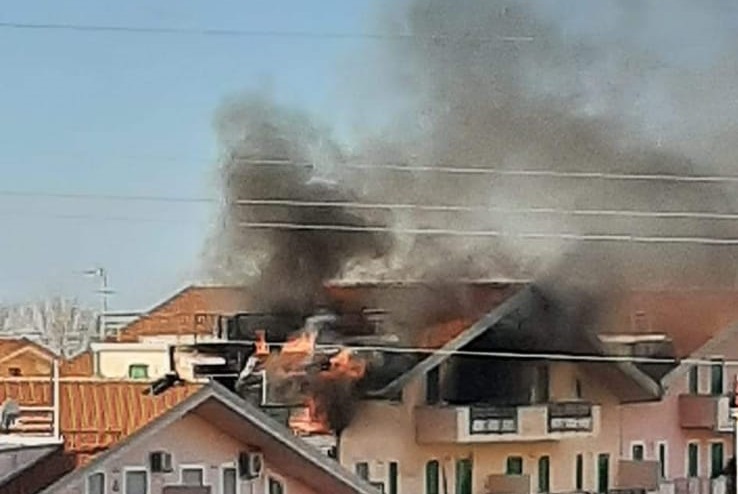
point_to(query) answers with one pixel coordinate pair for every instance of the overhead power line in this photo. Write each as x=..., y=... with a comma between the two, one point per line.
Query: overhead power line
x=476, y=171
x=564, y=356
x=492, y=209
x=575, y=237
x=250, y=33
x=627, y=213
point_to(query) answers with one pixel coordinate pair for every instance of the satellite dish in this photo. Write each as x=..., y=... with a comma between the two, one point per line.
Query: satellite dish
x=9, y=412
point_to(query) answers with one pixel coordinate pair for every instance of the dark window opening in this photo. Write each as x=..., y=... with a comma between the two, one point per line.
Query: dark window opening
x=393, y=475
x=275, y=486
x=662, y=460
x=432, y=478
x=433, y=386
x=15, y=371
x=579, y=473
x=637, y=452
x=514, y=465
x=578, y=389
x=362, y=470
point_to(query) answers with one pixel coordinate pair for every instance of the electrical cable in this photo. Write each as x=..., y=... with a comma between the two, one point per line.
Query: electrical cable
x=575, y=237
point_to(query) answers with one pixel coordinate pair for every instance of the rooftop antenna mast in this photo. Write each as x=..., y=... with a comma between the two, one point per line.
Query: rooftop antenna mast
x=104, y=291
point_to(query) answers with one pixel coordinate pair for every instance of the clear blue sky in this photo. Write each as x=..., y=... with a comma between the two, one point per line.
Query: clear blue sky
x=124, y=113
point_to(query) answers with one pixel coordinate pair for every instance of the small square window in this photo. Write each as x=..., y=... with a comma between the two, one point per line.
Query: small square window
x=193, y=476
x=96, y=483
x=15, y=371
x=138, y=371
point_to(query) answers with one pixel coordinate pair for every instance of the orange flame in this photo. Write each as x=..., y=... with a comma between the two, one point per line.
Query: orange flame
x=262, y=347
x=345, y=365
x=309, y=420
x=302, y=343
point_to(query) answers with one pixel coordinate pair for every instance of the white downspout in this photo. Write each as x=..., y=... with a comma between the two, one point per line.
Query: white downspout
x=55, y=398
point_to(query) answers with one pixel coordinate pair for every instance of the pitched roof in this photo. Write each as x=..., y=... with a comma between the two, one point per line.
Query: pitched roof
x=690, y=318
x=625, y=372
x=95, y=414
x=510, y=305
x=11, y=345
x=713, y=346
x=14, y=460
x=262, y=431
x=177, y=314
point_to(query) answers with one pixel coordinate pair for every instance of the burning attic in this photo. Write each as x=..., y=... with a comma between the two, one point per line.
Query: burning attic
x=320, y=366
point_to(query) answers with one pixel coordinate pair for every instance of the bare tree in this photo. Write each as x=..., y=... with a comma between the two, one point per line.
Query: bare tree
x=60, y=323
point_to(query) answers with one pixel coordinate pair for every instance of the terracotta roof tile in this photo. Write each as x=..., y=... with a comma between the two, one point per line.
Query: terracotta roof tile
x=80, y=365
x=95, y=414
x=189, y=311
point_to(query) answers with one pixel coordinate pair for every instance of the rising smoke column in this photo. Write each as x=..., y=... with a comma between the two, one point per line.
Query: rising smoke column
x=506, y=85
x=286, y=269
x=514, y=85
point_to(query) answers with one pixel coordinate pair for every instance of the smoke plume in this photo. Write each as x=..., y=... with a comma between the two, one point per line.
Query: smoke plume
x=503, y=85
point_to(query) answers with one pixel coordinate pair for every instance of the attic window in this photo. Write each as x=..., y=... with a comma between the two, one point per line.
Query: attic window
x=15, y=371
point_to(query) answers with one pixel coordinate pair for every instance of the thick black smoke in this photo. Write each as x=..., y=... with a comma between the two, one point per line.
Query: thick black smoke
x=285, y=268
x=504, y=85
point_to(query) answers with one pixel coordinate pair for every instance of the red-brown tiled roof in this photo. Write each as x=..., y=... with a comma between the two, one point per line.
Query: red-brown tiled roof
x=690, y=317
x=93, y=413
x=189, y=311
x=78, y=366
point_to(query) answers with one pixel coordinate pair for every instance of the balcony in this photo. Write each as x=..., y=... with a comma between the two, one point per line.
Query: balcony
x=711, y=412
x=485, y=424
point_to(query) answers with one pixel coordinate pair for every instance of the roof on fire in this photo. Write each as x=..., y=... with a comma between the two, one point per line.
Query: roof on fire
x=224, y=408
x=520, y=304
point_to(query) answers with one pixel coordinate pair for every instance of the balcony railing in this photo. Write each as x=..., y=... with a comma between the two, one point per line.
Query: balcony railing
x=568, y=417
x=484, y=423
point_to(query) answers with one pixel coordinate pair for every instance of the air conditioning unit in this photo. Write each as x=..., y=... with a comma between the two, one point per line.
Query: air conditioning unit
x=250, y=465
x=160, y=462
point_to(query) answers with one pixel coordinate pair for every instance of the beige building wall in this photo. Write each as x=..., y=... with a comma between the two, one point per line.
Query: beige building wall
x=383, y=432
x=113, y=360
x=193, y=442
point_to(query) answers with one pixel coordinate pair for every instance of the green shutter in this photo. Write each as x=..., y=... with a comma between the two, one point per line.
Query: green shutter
x=544, y=465
x=716, y=378
x=514, y=465
x=432, y=484
x=464, y=476
x=603, y=473
x=693, y=460
x=716, y=459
